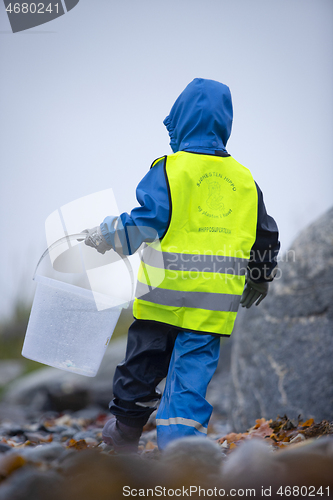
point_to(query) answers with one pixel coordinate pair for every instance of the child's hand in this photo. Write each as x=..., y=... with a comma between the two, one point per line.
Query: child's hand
x=95, y=239
x=253, y=292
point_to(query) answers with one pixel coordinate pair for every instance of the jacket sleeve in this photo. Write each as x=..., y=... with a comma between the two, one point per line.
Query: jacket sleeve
x=146, y=222
x=266, y=247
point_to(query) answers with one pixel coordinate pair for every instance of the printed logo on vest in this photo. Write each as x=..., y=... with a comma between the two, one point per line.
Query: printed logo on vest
x=215, y=198
x=215, y=184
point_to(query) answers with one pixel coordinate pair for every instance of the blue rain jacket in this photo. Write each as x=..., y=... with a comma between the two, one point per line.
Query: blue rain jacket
x=200, y=121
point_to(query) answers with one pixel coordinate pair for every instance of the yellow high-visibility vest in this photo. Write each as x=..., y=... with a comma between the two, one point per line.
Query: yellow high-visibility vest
x=195, y=278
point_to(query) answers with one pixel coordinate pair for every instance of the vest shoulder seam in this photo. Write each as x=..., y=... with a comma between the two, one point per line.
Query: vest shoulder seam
x=157, y=160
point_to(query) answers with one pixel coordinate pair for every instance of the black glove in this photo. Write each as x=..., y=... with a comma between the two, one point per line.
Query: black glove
x=253, y=292
x=95, y=239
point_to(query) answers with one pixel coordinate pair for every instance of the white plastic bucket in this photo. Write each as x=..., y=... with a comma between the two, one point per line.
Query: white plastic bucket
x=70, y=326
x=66, y=330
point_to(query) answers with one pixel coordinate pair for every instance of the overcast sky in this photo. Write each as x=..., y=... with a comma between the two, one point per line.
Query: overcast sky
x=84, y=96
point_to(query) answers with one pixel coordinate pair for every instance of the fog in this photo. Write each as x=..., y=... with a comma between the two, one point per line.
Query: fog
x=83, y=99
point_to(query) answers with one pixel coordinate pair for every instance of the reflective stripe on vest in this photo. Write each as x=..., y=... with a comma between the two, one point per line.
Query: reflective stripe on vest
x=195, y=262
x=195, y=278
x=180, y=298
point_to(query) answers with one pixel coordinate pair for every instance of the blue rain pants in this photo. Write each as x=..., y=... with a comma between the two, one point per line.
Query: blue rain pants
x=187, y=359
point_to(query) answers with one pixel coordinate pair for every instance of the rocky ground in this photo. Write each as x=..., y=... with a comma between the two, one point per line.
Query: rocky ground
x=51, y=447
x=52, y=455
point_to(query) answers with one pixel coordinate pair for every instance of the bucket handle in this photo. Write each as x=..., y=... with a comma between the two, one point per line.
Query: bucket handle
x=80, y=237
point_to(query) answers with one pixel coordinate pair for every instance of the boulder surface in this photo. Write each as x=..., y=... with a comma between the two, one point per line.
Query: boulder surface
x=282, y=351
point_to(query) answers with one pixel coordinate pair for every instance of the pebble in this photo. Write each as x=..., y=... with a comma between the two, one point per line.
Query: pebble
x=41, y=452
x=104, y=447
x=48, y=435
x=38, y=437
x=297, y=439
x=54, y=429
x=4, y=447
x=68, y=432
x=10, y=429
x=148, y=436
x=84, y=435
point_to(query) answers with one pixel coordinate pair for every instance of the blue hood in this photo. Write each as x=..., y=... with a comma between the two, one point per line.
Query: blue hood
x=201, y=118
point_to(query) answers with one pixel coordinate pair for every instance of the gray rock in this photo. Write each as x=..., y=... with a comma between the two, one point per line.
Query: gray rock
x=95, y=474
x=281, y=361
x=249, y=462
x=50, y=389
x=220, y=390
x=254, y=465
x=195, y=455
x=28, y=483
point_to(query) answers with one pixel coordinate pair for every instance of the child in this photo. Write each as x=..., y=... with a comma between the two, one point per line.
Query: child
x=213, y=228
